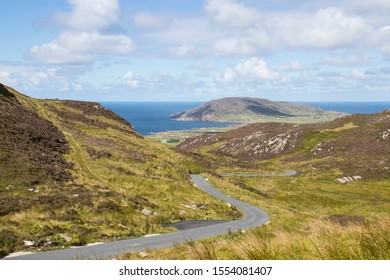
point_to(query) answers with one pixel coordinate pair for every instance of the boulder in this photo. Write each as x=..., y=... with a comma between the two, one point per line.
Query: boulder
x=148, y=212
x=66, y=237
x=28, y=243
x=192, y=206
x=341, y=180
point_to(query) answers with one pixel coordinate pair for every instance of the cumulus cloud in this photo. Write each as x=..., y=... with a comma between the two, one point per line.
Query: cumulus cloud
x=91, y=14
x=84, y=39
x=250, y=42
x=54, y=53
x=130, y=80
x=227, y=77
x=7, y=78
x=251, y=69
x=256, y=68
x=95, y=42
x=231, y=13
x=327, y=28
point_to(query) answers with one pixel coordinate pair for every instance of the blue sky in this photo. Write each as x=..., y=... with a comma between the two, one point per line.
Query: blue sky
x=193, y=50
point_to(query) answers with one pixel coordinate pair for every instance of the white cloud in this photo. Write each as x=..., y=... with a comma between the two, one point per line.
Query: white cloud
x=148, y=20
x=231, y=13
x=381, y=39
x=91, y=14
x=250, y=42
x=358, y=74
x=95, y=43
x=189, y=30
x=251, y=69
x=327, y=28
x=256, y=68
x=54, y=53
x=227, y=77
x=130, y=80
x=346, y=61
x=7, y=78
x=83, y=41
x=379, y=5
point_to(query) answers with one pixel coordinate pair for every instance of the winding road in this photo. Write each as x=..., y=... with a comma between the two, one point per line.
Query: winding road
x=287, y=174
x=253, y=217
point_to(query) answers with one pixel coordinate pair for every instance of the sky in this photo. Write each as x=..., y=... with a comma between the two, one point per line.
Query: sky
x=197, y=50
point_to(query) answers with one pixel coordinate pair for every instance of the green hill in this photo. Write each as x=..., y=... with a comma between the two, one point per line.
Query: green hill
x=249, y=110
x=75, y=169
x=352, y=144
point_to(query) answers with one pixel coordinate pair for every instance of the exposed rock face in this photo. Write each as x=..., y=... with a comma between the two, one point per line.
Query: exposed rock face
x=148, y=212
x=384, y=135
x=349, y=179
x=324, y=149
x=244, y=109
x=251, y=142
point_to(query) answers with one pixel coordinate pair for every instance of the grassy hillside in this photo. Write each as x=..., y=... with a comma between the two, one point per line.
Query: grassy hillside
x=354, y=145
x=74, y=173
x=312, y=215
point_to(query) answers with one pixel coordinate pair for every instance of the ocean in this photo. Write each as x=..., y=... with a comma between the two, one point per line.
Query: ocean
x=152, y=117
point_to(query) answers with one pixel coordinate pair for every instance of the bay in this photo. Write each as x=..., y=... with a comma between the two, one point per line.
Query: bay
x=153, y=117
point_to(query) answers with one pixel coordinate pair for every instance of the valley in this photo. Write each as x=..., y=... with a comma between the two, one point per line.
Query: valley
x=76, y=169
x=75, y=173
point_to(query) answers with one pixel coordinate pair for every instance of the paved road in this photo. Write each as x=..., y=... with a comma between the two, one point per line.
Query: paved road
x=253, y=217
x=288, y=173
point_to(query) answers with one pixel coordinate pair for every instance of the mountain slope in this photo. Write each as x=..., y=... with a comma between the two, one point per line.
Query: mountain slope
x=74, y=172
x=356, y=143
x=28, y=140
x=244, y=109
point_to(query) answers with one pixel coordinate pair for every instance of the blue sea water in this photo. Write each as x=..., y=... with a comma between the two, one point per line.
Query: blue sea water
x=352, y=107
x=151, y=117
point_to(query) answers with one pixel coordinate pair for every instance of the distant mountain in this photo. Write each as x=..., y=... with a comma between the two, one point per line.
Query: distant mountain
x=248, y=110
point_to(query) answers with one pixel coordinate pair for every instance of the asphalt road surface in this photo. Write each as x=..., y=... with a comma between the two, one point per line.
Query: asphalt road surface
x=253, y=217
x=287, y=174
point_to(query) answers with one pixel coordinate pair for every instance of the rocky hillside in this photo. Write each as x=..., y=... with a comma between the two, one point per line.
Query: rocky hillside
x=356, y=143
x=74, y=172
x=248, y=110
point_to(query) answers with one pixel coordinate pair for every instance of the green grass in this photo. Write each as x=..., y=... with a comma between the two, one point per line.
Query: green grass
x=312, y=217
x=115, y=176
